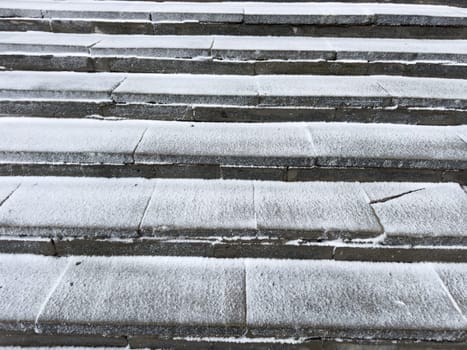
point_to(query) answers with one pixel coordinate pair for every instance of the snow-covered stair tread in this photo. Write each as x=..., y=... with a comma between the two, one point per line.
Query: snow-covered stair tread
x=101, y=211
x=345, y=19
x=235, y=47
x=266, y=90
x=182, y=297
x=293, y=151
x=309, y=13
x=232, y=54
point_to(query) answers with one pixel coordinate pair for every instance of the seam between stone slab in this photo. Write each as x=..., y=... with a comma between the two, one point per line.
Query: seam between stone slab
x=312, y=144
x=451, y=298
x=115, y=87
x=383, y=230
x=146, y=208
x=245, y=295
x=49, y=295
x=11, y=193
x=253, y=185
x=138, y=143
x=91, y=46
x=211, y=46
x=460, y=137
x=389, y=95
x=387, y=199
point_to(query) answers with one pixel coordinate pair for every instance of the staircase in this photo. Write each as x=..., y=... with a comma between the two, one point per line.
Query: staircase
x=233, y=175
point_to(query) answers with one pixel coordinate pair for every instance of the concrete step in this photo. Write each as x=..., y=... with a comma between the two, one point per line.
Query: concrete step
x=265, y=97
x=232, y=54
x=142, y=301
x=245, y=18
x=457, y=3
x=273, y=151
x=227, y=218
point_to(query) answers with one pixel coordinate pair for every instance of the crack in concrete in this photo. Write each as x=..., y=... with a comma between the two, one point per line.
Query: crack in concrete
x=387, y=199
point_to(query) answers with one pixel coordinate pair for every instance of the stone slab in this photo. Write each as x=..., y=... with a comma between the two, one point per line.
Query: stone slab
x=153, y=46
x=358, y=299
x=424, y=92
x=317, y=90
x=75, y=207
x=186, y=208
x=454, y=277
x=24, y=85
x=42, y=42
x=434, y=215
x=225, y=143
x=187, y=88
x=144, y=295
x=213, y=12
x=387, y=145
x=383, y=49
x=318, y=210
x=269, y=47
x=25, y=282
x=310, y=13
x=75, y=141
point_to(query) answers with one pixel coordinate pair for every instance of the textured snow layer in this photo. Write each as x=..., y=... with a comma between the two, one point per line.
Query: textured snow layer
x=47, y=42
x=340, y=48
x=75, y=207
x=188, y=88
x=185, y=206
x=317, y=207
x=58, y=85
x=423, y=215
x=386, y=144
x=136, y=295
x=37, y=140
x=454, y=276
x=25, y=282
x=149, y=291
x=122, y=208
x=225, y=143
x=355, y=296
x=275, y=90
x=150, y=45
x=249, y=12
x=235, y=47
x=68, y=141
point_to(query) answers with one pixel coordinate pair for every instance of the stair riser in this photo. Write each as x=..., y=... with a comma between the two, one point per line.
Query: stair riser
x=77, y=109
x=201, y=171
x=49, y=62
x=224, y=249
x=149, y=28
x=121, y=343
